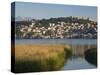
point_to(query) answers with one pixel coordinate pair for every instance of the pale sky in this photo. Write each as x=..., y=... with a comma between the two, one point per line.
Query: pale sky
x=41, y=10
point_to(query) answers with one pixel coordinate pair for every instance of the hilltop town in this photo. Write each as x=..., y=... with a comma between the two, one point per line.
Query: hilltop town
x=57, y=28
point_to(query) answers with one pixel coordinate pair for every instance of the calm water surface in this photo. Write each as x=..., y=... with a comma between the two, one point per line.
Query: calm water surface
x=78, y=46
x=54, y=41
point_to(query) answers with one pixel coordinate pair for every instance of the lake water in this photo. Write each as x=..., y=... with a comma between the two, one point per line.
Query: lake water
x=78, y=46
x=54, y=41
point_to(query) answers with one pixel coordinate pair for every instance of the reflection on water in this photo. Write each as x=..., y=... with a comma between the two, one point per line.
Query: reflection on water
x=77, y=61
x=78, y=50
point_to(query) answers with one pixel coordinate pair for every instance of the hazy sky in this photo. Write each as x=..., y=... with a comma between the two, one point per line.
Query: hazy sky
x=39, y=11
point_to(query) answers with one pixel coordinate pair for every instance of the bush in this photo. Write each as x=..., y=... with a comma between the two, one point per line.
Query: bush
x=91, y=56
x=56, y=62
x=68, y=53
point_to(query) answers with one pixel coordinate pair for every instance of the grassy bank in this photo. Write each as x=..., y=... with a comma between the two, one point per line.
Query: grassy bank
x=91, y=56
x=40, y=57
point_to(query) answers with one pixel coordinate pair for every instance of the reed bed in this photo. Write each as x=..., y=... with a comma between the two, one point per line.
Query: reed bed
x=39, y=57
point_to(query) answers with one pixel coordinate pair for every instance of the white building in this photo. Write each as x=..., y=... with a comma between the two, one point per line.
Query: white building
x=29, y=29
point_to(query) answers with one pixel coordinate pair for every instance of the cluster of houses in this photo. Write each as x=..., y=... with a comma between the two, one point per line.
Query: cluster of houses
x=57, y=30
